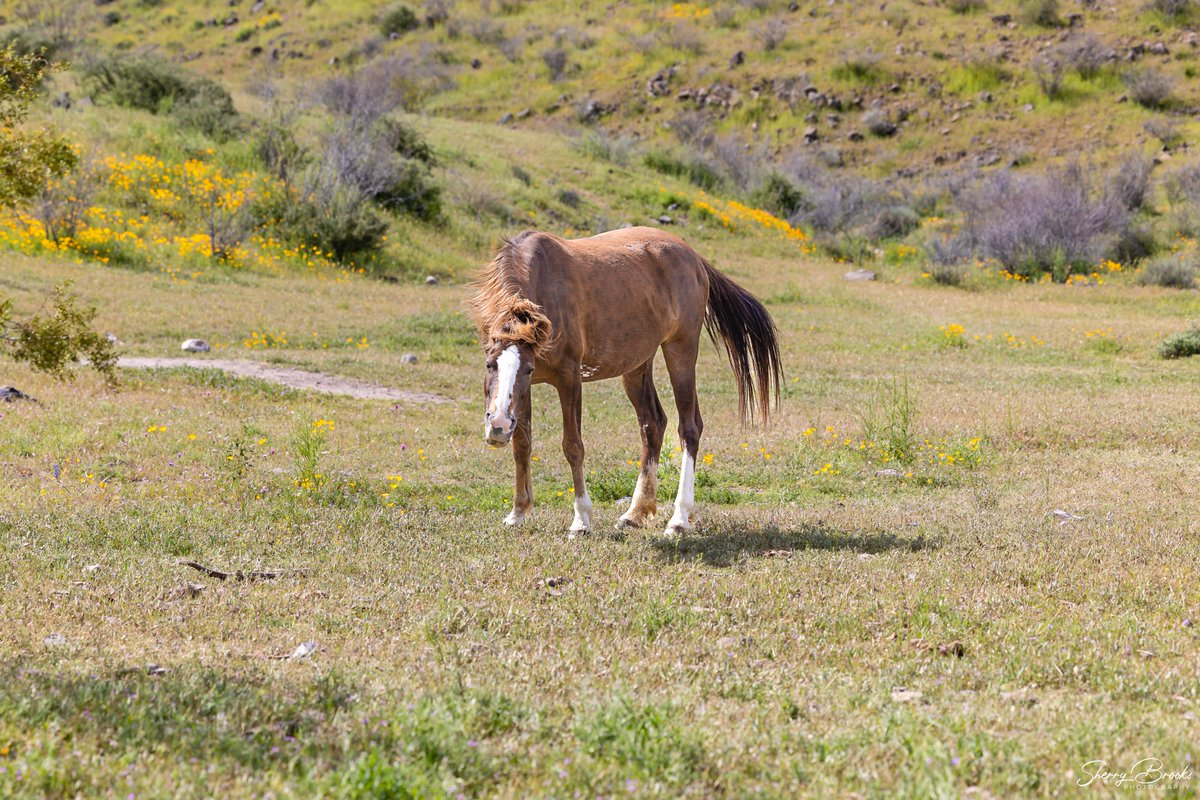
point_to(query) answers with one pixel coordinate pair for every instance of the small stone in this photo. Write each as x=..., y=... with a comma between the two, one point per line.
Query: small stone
x=860, y=275
x=408, y=358
x=887, y=473
x=476, y=63
x=738, y=59
x=431, y=280
x=55, y=640
x=811, y=135
x=854, y=136
x=195, y=346
x=665, y=220
x=111, y=338
x=507, y=118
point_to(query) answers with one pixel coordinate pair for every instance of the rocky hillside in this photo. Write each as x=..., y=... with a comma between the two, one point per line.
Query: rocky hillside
x=893, y=88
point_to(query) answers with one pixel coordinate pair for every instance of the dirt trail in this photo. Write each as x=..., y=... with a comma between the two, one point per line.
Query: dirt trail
x=288, y=376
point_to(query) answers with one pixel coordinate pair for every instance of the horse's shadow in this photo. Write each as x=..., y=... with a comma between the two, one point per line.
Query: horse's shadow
x=724, y=544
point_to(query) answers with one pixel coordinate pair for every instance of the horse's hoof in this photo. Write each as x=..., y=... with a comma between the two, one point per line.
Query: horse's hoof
x=514, y=519
x=676, y=529
x=627, y=522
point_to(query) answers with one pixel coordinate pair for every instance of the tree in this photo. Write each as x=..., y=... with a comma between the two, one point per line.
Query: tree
x=49, y=340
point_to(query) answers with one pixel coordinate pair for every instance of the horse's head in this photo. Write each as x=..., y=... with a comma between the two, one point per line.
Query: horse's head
x=506, y=386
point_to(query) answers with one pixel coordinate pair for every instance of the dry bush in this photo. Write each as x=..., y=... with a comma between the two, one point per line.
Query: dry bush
x=512, y=47
x=1173, y=9
x=683, y=36
x=772, y=33
x=1040, y=12
x=1149, y=88
x=1086, y=55
x=1049, y=72
x=879, y=123
x=966, y=6
x=1056, y=222
x=382, y=86
x=555, y=60
x=1129, y=183
x=1165, y=129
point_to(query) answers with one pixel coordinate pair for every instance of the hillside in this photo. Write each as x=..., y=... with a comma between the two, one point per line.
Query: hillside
x=959, y=87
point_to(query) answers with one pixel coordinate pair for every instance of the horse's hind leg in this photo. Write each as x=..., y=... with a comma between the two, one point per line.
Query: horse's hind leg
x=522, y=443
x=639, y=387
x=570, y=395
x=680, y=356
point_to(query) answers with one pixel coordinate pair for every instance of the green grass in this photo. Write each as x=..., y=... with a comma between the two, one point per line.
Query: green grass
x=830, y=628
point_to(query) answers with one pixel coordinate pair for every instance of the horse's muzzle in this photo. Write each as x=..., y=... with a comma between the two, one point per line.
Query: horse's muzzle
x=497, y=437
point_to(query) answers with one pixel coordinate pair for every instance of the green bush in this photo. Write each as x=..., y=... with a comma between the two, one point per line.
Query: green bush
x=1181, y=345
x=1174, y=271
x=778, y=195
x=333, y=217
x=695, y=171
x=161, y=87
x=412, y=191
x=398, y=19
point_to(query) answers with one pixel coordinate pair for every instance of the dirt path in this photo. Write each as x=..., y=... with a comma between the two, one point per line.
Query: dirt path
x=288, y=376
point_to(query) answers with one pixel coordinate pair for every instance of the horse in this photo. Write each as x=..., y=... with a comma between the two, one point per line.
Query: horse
x=568, y=312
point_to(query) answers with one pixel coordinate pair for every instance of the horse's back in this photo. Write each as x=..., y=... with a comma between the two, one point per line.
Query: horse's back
x=628, y=289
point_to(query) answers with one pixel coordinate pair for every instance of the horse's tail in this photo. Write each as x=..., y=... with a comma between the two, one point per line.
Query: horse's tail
x=737, y=321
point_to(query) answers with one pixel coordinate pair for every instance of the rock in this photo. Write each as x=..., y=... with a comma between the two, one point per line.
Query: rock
x=660, y=84
x=860, y=275
x=1074, y=20
x=523, y=113
x=195, y=346
x=408, y=358
x=9, y=394
x=476, y=63
x=55, y=640
x=63, y=101
x=811, y=135
x=738, y=59
x=507, y=118
x=1158, y=49
x=854, y=136
x=111, y=338
x=887, y=473
x=431, y=280
x=665, y=220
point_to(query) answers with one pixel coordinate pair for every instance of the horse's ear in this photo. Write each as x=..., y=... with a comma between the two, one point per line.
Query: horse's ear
x=529, y=324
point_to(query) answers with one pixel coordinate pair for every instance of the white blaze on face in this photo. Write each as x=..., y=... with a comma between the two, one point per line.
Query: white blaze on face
x=685, y=500
x=506, y=377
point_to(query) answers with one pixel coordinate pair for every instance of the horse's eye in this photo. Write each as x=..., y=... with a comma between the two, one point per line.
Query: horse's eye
x=529, y=370
x=491, y=367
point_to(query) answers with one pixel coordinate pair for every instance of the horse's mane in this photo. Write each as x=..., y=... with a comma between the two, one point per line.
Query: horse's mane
x=502, y=312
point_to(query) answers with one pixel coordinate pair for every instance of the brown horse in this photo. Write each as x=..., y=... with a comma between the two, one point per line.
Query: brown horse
x=566, y=312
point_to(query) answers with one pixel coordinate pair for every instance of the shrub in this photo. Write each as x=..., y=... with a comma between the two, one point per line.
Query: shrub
x=158, y=86
x=966, y=6
x=1181, y=345
x=1172, y=9
x=1174, y=271
x=1049, y=72
x=1149, y=88
x=367, y=161
x=947, y=274
x=1086, y=55
x=860, y=67
x=1057, y=222
x=771, y=33
x=835, y=203
x=323, y=212
x=1040, y=12
x=692, y=169
x=1165, y=129
x=512, y=47
x=568, y=197
x=599, y=144
x=684, y=37
x=555, y=60
x=1130, y=181
x=382, y=86
x=892, y=223
x=397, y=19
x=778, y=195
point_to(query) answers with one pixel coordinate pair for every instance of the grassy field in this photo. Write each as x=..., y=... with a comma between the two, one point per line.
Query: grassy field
x=827, y=629
x=960, y=563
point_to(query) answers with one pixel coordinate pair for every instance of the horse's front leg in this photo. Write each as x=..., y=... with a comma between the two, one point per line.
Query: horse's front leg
x=522, y=442
x=570, y=395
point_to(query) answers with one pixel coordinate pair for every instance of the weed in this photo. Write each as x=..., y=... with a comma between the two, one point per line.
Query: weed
x=890, y=413
x=1181, y=345
x=1175, y=271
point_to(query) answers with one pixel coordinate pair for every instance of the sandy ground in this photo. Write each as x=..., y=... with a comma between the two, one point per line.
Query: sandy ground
x=287, y=376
